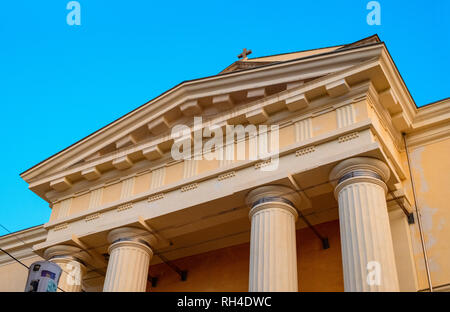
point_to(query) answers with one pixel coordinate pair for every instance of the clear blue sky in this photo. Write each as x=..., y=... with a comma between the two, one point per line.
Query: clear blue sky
x=59, y=83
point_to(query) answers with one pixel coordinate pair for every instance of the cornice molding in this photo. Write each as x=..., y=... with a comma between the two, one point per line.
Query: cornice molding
x=288, y=71
x=428, y=135
x=20, y=244
x=220, y=120
x=384, y=117
x=374, y=61
x=431, y=115
x=316, y=108
x=396, y=82
x=431, y=124
x=213, y=174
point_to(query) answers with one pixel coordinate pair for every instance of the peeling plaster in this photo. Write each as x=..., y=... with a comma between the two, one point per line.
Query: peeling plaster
x=426, y=211
x=416, y=165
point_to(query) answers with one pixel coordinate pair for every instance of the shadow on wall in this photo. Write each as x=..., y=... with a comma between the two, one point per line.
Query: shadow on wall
x=227, y=269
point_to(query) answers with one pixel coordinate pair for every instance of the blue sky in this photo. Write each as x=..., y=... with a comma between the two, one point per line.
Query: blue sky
x=59, y=83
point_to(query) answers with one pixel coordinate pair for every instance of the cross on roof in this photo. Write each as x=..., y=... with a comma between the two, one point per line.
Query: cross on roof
x=244, y=54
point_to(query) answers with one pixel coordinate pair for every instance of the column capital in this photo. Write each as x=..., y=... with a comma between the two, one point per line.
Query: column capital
x=360, y=163
x=72, y=261
x=129, y=260
x=359, y=169
x=65, y=253
x=273, y=196
x=131, y=236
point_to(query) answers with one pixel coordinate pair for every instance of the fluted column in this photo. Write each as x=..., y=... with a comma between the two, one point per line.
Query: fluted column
x=72, y=262
x=129, y=260
x=366, y=242
x=273, y=253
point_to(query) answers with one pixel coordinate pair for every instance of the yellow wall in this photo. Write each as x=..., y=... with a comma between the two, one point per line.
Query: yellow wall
x=430, y=165
x=227, y=269
x=320, y=269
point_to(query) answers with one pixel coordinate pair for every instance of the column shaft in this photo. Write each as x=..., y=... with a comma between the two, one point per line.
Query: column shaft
x=367, y=250
x=127, y=267
x=366, y=238
x=71, y=275
x=273, y=255
x=129, y=260
x=273, y=250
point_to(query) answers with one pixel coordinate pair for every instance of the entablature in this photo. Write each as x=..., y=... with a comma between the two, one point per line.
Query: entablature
x=217, y=196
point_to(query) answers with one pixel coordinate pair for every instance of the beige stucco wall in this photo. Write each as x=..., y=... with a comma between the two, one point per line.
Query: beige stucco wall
x=13, y=275
x=403, y=250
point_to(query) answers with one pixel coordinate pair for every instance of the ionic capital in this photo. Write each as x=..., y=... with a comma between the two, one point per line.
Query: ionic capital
x=133, y=237
x=273, y=196
x=67, y=253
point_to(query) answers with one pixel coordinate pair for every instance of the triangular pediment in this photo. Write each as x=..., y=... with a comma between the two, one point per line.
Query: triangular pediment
x=250, y=63
x=229, y=97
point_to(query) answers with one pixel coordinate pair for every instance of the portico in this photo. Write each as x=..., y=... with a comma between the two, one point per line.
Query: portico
x=121, y=199
x=271, y=212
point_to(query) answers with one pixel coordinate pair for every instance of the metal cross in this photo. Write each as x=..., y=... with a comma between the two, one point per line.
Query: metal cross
x=244, y=54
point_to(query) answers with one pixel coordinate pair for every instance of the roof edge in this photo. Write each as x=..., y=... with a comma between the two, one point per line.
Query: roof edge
x=186, y=82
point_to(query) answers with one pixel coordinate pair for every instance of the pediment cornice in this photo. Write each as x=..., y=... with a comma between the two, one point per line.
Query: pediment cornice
x=283, y=72
x=20, y=243
x=431, y=115
x=330, y=74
